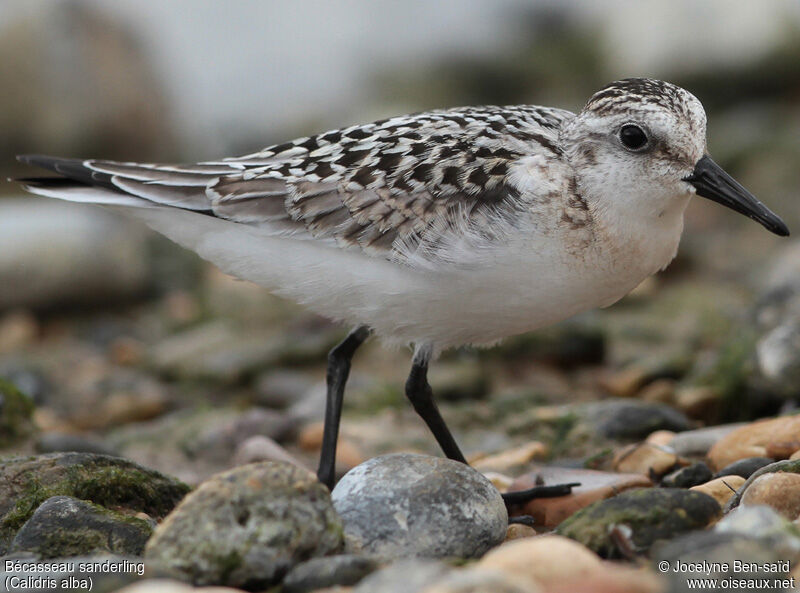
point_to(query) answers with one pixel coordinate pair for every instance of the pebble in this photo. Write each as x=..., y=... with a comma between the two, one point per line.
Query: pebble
x=408, y=575
x=261, y=448
x=698, y=401
x=26, y=482
x=65, y=526
x=218, y=350
x=518, y=531
x=171, y=586
x=721, y=489
x=280, y=388
x=328, y=571
x=219, y=440
x=763, y=438
x=714, y=555
x=195, y=444
x=414, y=505
x=696, y=443
x=763, y=522
x=478, y=580
x=510, y=459
x=348, y=455
x=662, y=438
x=645, y=458
x=246, y=527
x=779, y=490
x=594, y=486
x=744, y=467
x=54, y=442
x=778, y=356
x=90, y=255
x=459, y=380
x=659, y=391
x=544, y=560
x=632, y=419
x=686, y=477
x=625, y=382
x=647, y=515
x=614, y=578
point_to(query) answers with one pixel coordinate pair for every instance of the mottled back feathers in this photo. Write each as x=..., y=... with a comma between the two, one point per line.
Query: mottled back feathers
x=382, y=187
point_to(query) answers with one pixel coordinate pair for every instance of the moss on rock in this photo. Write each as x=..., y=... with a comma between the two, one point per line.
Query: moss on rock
x=638, y=518
x=16, y=410
x=26, y=482
x=64, y=526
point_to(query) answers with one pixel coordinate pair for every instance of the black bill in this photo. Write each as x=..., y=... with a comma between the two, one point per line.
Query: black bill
x=712, y=182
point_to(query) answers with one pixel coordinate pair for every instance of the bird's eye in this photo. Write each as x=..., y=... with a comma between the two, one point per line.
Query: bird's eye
x=632, y=137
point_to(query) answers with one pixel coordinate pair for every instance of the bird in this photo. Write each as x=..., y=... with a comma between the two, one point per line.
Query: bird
x=439, y=229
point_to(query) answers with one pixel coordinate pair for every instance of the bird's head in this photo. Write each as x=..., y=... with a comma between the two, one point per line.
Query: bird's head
x=639, y=148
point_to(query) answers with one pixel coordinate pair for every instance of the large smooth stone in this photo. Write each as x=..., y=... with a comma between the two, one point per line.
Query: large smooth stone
x=414, y=505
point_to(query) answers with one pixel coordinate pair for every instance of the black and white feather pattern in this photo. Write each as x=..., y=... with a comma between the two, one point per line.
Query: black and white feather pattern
x=382, y=187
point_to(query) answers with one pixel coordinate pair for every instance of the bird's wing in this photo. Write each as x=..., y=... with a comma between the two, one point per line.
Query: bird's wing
x=388, y=187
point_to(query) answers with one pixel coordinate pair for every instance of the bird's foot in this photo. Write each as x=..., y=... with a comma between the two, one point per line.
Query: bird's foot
x=522, y=520
x=520, y=497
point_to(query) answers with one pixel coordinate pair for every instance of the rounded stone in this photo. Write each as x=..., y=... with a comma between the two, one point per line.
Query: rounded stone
x=66, y=526
x=413, y=505
x=246, y=528
x=780, y=490
x=545, y=560
x=686, y=477
x=744, y=467
x=720, y=489
x=637, y=518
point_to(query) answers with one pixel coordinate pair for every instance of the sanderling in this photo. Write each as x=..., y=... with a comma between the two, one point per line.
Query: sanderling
x=444, y=228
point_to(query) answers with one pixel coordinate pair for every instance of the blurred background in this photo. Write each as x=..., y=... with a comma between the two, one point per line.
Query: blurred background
x=127, y=344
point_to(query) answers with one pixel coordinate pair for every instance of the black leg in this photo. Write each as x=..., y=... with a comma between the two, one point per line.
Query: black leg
x=523, y=496
x=420, y=395
x=338, y=369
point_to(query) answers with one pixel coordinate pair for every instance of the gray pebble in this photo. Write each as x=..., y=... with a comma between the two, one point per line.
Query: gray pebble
x=328, y=571
x=414, y=505
x=65, y=526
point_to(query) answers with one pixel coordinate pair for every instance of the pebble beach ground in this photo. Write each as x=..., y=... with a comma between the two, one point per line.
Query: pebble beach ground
x=160, y=423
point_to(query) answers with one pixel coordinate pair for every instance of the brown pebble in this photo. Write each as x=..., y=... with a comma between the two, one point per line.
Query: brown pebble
x=543, y=560
x=595, y=485
x=310, y=436
x=348, y=455
x=659, y=391
x=625, y=382
x=646, y=459
x=500, y=481
x=613, y=579
x=754, y=439
x=510, y=458
x=518, y=531
x=721, y=489
x=662, y=438
x=780, y=490
x=697, y=402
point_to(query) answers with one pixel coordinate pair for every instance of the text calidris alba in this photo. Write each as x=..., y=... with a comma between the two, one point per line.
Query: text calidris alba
x=459, y=226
